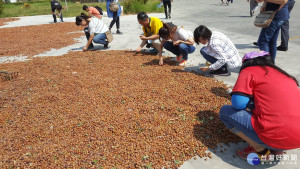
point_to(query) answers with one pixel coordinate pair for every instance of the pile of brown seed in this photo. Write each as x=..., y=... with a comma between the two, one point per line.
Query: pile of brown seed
x=3, y=21
x=107, y=109
x=32, y=40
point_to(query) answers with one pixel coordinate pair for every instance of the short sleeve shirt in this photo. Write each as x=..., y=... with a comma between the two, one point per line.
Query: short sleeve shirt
x=155, y=24
x=276, y=115
x=93, y=11
x=182, y=34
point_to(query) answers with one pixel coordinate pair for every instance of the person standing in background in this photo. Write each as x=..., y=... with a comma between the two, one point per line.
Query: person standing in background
x=253, y=6
x=267, y=40
x=55, y=5
x=167, y=4
x=285, y=29
x=115, y=15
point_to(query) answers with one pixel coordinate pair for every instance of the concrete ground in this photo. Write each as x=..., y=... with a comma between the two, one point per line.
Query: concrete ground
x=234, y=21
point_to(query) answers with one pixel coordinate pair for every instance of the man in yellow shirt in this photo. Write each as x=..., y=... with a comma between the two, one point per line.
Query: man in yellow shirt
x=151, y=26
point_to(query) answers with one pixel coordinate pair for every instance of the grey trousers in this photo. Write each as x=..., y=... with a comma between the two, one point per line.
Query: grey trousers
x=253, y=5
x=285, y=27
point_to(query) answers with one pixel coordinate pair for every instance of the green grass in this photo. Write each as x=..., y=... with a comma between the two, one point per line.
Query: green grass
x=74, y=9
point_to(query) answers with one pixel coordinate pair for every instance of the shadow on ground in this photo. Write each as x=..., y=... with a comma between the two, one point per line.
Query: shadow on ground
x=215, y=137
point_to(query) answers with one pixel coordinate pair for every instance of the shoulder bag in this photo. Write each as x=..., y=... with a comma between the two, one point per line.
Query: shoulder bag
x=264, y=18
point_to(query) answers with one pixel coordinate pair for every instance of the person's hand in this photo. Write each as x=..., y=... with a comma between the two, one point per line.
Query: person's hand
x=176, y=43
x=143, y=37
x=204, y=69
x=85, y=49
x=139, y=49
x=161, y=61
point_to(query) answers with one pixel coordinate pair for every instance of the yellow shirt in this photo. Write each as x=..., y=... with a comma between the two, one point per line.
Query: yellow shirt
x=155, y=24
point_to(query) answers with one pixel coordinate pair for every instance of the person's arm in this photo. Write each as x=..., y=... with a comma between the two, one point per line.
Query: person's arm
x=239, y=102
x=141, y=45
x=89, y=42
x=263, y=7
x=189, y=41
x=152, y=37
x=161, y=61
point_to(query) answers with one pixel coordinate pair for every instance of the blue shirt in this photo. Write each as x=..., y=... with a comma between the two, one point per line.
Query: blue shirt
x=110, y=14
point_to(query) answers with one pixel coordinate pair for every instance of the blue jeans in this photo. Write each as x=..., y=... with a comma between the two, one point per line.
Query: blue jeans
x=181, y=49
x=267, y=40
x=209, y=58
x=240, y=121
x=100, y=38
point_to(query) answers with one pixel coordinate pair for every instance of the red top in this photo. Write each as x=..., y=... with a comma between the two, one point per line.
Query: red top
x=276, y=116
x=95, y=12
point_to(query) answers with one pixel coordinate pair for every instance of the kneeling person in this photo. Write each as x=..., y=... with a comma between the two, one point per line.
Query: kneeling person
x=94, y=32
x=151, y=26
x=220, y=51
x=181, y=45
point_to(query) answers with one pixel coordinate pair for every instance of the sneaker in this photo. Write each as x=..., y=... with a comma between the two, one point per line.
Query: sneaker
x=221, y=72
x=178, y=58
x=118, y=32
x=182, y=63
x=105, y=46
x=222, y=1
x=255, y=43
x=280, y=48
x=251, y=13
x=169, y=16
x=243, y=154
x=153, y=50
x=227, y=3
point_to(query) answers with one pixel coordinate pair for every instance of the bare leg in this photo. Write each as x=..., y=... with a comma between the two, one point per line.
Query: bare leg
x=257, y=147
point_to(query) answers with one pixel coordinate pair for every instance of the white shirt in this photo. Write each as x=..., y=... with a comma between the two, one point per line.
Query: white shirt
x=182, y=34
x=97, y=26
x=222, y=48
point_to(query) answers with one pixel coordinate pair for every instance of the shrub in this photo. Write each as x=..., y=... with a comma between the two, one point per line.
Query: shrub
x=136, y=6
x=1, y=7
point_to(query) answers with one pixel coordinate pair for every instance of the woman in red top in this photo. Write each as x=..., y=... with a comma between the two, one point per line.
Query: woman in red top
x=265, y=110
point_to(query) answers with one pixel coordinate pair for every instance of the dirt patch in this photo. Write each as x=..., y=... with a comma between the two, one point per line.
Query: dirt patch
x=32, y=40
x=107, y=109
x=3, y=21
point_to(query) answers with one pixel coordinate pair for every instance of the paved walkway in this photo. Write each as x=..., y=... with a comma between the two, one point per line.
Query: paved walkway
x=232, y=20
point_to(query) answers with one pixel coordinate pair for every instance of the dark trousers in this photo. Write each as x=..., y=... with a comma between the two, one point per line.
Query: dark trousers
x=167, y=4
x=61, y=16
x=285, y=28
x=116, y=19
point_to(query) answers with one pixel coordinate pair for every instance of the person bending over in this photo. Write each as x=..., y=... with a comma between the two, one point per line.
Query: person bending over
x=94, y=30
x=150, y=26
x=92, y=11
x=55, y=5
x=219, y=51
x=265, y=108
x=181, y=43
